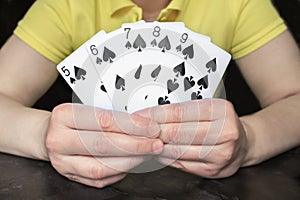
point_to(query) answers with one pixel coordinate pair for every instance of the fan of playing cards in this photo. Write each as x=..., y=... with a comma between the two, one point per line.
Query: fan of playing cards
x=144, y=64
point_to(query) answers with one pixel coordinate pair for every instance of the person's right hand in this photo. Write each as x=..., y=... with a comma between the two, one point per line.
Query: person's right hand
x=97, y=147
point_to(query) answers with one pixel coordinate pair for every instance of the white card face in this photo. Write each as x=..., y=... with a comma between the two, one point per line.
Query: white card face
x=80, y=74
x=152, y=82
x=158, y=44
x=146, y=86
x=104, y=50
x=145, y=64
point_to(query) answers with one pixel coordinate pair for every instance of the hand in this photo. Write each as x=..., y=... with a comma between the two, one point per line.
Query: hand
x=97, y=147
x=203, y=137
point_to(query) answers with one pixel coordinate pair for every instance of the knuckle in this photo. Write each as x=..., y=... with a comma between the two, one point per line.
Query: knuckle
x=97, y=172
x=54, y=162
x=101, y=145
x=228, y=104
x=230, y=110
x=61, y=110
x=58, y=164
x=212, y=170
x=232, y=134
x=52, y=144
x=235, y=136
x=141, y=147
x=72, y=178
x=177, y=112
x=230, y=131
x=139, y=121
x=227, y=155
x=213, y=173
x=173, y=135
x=206, y=107
x=105, y=119
x=176, y=151
x=100, y=184
x=132, y=162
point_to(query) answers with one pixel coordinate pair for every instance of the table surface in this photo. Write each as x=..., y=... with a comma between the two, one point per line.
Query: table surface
x=278, y=178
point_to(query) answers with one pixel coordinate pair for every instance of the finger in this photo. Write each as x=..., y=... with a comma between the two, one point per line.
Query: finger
x=103, y=144
x=96, y=168
x=200, y=110
x=185, y=133
x=201, y=133
x=101, y=183
x=77, y=116
x=205, y=170
x=221, y=154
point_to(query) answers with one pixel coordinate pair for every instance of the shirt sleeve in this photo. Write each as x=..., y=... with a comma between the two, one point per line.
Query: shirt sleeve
x=258, y=22
x=46, y=28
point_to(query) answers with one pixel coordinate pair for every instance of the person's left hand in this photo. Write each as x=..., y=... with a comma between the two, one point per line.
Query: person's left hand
x=203, y=137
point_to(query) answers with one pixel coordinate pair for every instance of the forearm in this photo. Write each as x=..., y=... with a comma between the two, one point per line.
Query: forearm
x=22, y=129
x=272, y=130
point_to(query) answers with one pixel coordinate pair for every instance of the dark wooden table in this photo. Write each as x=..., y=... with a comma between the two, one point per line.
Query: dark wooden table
x=278, y=178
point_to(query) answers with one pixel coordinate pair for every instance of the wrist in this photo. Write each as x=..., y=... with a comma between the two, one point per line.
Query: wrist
x=40, y=121
x=45, y=120
x=251, y=157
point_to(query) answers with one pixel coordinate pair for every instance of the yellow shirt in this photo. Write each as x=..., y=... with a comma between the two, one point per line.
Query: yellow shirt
x=55, y=28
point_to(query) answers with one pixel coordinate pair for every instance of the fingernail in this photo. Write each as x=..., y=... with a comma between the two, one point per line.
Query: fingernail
x=153, y=130
x=157, y=146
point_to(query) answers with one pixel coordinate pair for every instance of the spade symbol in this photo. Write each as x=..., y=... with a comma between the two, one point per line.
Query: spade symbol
x=163, y=100
x=180, y=69
x=203, y=82
x=154, y=43
x=188, y=83
x=188, y=52
x=156, y=72
x=120, y=83
x=146, y=97
x=102, y=87
x=179, y=48
x=72, y=80
x=212, y=65
x=79, y=73
x=139, y=43
x=165, y=44
x=196, y=96
x=137, y=74
x=98, y=61
x=128, y=45
x=108, y=55
x=172, y=85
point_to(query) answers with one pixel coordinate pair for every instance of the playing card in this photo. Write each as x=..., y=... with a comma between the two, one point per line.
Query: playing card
x=80, y=74
x=216, y=65
x=122, y=42
x=105, y=49
x=91, y=47
x=191, y=67
x=145, y=64
x=145, y=85
x=150, y=81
